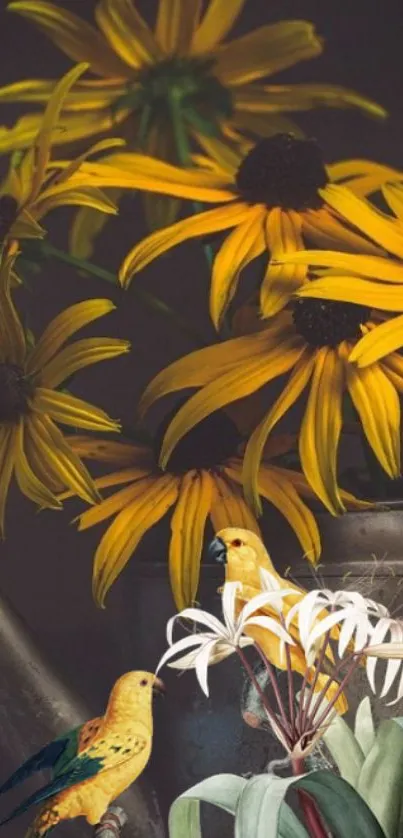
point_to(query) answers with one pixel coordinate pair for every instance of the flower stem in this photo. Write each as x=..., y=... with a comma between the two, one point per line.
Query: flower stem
x=270, y=713
x=275, y=688
x=154, y=303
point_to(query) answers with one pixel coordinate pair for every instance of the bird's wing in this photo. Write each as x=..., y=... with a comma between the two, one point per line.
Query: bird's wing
x=47, y=757
x=102, y=753
x=86, y=734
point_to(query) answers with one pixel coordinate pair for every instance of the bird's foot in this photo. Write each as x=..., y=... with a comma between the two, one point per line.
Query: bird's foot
x=111, y=823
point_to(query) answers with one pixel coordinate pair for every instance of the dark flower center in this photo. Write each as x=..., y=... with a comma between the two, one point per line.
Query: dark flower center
x=206, y=446
x=8, y=214
x=283, y=171
x=328, y=323
x=200, y=97
x=15, y=390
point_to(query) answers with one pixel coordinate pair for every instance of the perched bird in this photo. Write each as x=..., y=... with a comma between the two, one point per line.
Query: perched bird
x=94, y=763
x=243, y=554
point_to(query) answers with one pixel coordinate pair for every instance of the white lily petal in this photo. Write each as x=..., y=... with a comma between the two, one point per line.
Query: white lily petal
x=268, y=581
x=362, y=633
x=392, y=669
x=273, y=626
x=260, y=600
x=229, y=593
x=399, y=694
x=197, y=615
x=179, y=646
x=327, y=624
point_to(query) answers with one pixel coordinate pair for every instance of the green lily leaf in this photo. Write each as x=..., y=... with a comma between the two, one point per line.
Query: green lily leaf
x=364, y=728
x=345, y=812
x=381, y=779
x=258, y=813
x=345, y=750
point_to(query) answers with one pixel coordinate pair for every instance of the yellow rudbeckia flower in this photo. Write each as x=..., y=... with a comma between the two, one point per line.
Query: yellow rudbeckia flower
x=184, y=62
x=202, y=481
x=35, y=185
x=274, y=197
x=312, y=343
x=374, y=281
x=32, y=448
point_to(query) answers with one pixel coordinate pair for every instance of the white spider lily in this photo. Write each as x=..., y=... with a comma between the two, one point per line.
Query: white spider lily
x=348, y=609
x=270, y=583
x=222, y=638
x=386, y=642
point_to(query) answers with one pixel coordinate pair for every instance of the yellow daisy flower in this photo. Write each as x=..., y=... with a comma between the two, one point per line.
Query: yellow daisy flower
x=312, y=343
x=202, y=481
x=35, y=185
x=32, y=448
x=185, y=63
x=373, y=281
x=274, y=198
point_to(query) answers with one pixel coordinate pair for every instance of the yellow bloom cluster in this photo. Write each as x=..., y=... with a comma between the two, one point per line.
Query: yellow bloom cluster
x=197, y=122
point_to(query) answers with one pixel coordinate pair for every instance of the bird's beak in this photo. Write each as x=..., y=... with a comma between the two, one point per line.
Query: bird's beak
x=159, y=686
x=217, y=550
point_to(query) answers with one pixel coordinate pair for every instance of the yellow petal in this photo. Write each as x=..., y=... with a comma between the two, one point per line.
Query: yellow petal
x=53, y=450
x=325, y=230
x=379, y=342
x=12, y=346
x=140, y=484
x=215, y=25
x=321, y=428
x=63, y=326
x=393, y=194
x=238, y=382
x=81, y=354
x=128, y=528
x=28, y=482
x=278, y=490
x=176, y=22
x=256, y=443
x=373, y=223
x=157, y=172
x=228, y=506
x=7, y=459
x=302, y=97
x=351, y=289
x=89, y=94
x=78, y=39
x=127, y=32
x=244, y=244
x=225, y=159
x=97, y=148
x=392, y=366
x=266, y=50
x=283, y=234
x=85, y=197
x=187, y=527
x=375, y=267
x=193, y=185
x=86, y=226
x=362, y=176
x=109, y=451
x=201, y=367
x=159, y=242
x=160, y=210
x=49, y=123
x=26, y=227
x=377, y=403
x=305, y=490
x=264, y=124
x=67, y=409
x=71, y=127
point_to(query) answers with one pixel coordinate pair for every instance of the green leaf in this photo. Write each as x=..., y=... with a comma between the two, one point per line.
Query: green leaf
x=364, y=729
x=381, y=779
x=259, y=806
x=345, y=750
x=345, y=812
x=289, y=826
x=222, y=790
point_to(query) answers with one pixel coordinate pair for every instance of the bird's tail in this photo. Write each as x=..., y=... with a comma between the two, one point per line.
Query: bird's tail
x=43, y=823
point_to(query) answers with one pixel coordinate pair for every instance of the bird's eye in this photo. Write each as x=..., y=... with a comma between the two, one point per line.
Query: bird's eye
x=144, y=682
x=236, y=542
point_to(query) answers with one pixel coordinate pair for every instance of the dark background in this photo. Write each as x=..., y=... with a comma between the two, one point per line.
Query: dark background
x=45, y=566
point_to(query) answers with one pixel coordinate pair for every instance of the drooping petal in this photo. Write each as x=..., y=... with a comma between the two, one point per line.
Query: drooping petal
x=29, y=484
x=86, y=226
x=281, y=493
x=12, y=346
x=110, y=451
x=139, y=486
x=283, y=234
x=377, y=403
x=266, y=50
x=375, y=267
x=254, y=449
x=67, y=409
x=128, y=528
x=87, y=196
x=302, y=97
x=393, y=194
x=228, y=507
x=176, y=23
x=244, y=244
x=215, y=25
x=73, y=166
x=81, y=354
x=187, y=527
x=222, y=158
x=326, y=230
x=392, y=365
x=89, y=94
x=127, y=32
x=361, y=214
x=234, y=384
x=53, y=449
x=351, y=289
x=72, y=127
x=381, y=341
x=201, y=224
x=321, y=428
x=63, y=326
x=7, y=460
x=353, y=169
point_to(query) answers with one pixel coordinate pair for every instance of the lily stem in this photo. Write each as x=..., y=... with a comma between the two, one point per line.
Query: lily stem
x=149, y=300
x=309, y=808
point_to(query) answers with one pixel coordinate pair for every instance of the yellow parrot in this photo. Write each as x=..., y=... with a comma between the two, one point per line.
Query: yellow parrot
x=94, y=763
x=243, y=554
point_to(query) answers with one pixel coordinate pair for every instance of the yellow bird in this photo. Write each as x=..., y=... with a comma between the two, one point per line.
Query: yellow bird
x=94, y=763
x=244, y=554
